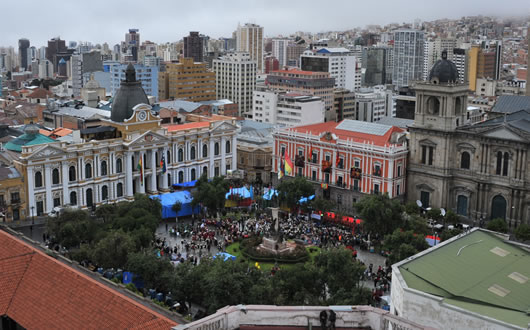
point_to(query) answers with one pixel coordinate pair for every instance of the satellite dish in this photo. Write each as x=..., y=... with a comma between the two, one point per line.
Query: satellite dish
x=418, y=202
x=442, y=212
x=428, y=209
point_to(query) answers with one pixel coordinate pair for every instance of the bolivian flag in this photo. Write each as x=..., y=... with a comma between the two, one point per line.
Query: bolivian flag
x=288, y=165
x=141, y=169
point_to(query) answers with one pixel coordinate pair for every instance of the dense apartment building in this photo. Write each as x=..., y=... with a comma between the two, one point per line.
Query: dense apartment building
x=372, y=104
x=188, y=80
x=339, y=62
x=287, y=108
x=346, y=160
x=249, y=38
x=408, y=57
x=193, y=47
x=235, y=79
x=147, y=75
x=344, y=104
x=319, y=84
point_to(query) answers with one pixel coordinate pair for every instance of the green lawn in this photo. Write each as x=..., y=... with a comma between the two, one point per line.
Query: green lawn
x=234, y=250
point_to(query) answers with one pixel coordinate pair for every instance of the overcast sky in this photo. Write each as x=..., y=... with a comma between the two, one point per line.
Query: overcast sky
x=98, y=21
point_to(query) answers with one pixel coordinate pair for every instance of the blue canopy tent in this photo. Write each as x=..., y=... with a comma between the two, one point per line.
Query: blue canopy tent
x=225, y=256
x=243, y=192
x=168, y=200
x=185, y=184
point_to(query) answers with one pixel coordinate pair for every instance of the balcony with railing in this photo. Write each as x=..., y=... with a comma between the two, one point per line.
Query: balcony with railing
x=377, y=171
x=356, y=173
x=326, y=166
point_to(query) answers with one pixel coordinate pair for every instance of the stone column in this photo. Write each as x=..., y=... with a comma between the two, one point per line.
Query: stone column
x=211, y=155
x=234, y=152
x=153, y=171
x=81, y=168
x=333, y=178
x=31, y=191
x=48, y=186
x=142, y=178
x=128, y=175
x=164, y=175
x=223, y=155
x=66, y=193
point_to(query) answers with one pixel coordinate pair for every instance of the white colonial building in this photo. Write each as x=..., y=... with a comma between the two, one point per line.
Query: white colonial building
x=117, y=160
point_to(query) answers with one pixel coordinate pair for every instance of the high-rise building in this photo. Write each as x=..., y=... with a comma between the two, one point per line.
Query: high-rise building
x=433, y=52
x=460, y=59
x=250, y=39
x=374, y=61
x=271, y=64
x=148, y=76
x=193, y=46
x=187, y=80
x=56, y=46
x=23, y=47
x=235, y=78
x=294, y=51
x=528, y=65
x=484, y=61
x=408, y=57
x=339, y=62
x=279, y=50
x=372, y=104
x=82, y=66
x=287, y=108
x=318, y=84
x=132, y=42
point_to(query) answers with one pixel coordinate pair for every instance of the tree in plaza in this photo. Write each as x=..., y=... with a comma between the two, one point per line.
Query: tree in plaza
x=415, y=223
x=412, y=208
x=72, y=227
x=403, y=244
x=112, y=251
x=451, y=217
x=341, y=276
x=187, y=284
x=291, y=190
x=497, y=225
x=155, y=272
x=324, y=205
x=211, y=194
x=177, y=207
x=298, y=285
x=447, y=234
x=435, y=214
x=522, y=232
x=380, y=214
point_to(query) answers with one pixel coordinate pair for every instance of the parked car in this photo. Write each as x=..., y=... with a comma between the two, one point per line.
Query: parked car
x=55, y=212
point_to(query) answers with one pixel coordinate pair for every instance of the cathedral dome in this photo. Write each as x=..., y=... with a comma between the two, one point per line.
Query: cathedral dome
x=443, y=71
x=127, y=96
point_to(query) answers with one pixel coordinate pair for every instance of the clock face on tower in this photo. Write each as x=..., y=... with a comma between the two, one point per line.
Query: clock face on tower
x=142, y=115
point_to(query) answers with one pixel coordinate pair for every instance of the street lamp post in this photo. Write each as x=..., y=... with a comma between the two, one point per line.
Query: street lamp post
x=33, y=215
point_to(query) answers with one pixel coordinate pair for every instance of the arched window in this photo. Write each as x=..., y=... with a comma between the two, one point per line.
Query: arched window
x=104, y=167
x=38, y=179
x=55, y=176
x=192, y=152
x=119, y=165
x=227, y=147
x=156, y=160
x=505, y=165
x=204, y=151
x=168, y=158
x=73, y=198
x=104, y=193
x=119, y=189
x=205, y=170
x=499, y=163
x=88, y=170
x=89, y=201
x=181, y=177
x=193, y=174
x=71, y=173
x=433, y=106
x=181, y=155
x=216, y=149
x=465, y=160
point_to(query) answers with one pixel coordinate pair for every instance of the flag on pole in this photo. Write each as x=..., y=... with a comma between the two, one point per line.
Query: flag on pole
x=141, y=169
x=281, y=170
x=288, y=165
x=337, y=161
x=163, y=164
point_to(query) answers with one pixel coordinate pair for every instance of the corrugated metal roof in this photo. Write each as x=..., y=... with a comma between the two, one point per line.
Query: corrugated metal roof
x=468, y=270
x=511, y=103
